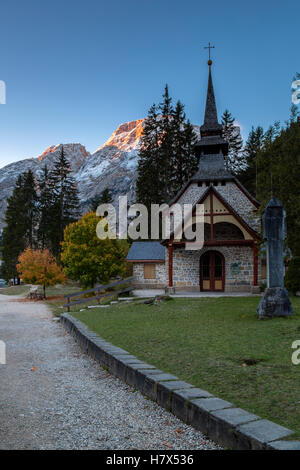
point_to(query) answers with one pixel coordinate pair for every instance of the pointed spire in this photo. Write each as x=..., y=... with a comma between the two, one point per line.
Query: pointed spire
x=211, y=141
x=210, y=117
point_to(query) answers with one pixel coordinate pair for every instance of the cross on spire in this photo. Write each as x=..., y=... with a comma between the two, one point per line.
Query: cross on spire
x=209, y=47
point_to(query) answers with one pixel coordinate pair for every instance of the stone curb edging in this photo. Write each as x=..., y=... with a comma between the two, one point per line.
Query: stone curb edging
x=220, y=420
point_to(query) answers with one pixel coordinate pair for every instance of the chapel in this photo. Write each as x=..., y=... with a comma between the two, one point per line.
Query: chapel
x=229, y=259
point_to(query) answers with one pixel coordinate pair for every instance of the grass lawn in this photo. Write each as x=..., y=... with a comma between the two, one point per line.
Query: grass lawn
x=15, y=290
x=209, y=342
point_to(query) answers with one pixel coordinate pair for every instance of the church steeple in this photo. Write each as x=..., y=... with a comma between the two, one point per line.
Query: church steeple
x=211, y=125
x=211, y=131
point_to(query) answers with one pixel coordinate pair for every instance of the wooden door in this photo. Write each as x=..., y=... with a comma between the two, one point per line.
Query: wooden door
x=212, y=271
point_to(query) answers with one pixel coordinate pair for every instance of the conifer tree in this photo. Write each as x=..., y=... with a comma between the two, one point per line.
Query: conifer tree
x=167, y=158
x=46, y=208
x=294, y=113
x=148, y=186
x=65, y=204
x=103, y=198
x=235, y=161
x=254, y=143
x=166, y=147
x=30, y=209
x=184, y=161
x=13, y=241
x=278, y=174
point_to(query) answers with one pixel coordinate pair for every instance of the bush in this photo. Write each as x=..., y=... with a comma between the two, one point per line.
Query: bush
x=292, y=277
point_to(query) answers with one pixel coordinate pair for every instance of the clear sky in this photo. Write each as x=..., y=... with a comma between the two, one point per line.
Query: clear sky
x=76, y=69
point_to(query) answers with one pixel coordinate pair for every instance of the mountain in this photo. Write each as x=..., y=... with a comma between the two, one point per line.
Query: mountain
x=113, y=166
x=76, y=154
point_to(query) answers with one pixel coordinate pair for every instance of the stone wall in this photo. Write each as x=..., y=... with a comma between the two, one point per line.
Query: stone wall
x=161, y=279
x=186, y=265
x=240, y=203
x=238, y=268
x=231, y=193
x=192, y=194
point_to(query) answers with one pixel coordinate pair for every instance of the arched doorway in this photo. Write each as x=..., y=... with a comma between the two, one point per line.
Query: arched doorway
x=212, y=271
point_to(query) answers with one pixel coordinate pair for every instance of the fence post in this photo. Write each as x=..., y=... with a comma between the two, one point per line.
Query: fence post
x=68, y=303
x=98, y=294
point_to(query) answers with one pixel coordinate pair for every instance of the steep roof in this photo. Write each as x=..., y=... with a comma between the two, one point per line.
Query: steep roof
x=210, y=115
x=146, y=251
x=211, y=131
x=229, y=207
x=211, y=149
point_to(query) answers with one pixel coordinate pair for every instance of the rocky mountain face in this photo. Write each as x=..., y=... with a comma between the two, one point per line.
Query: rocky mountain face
x=113, y=166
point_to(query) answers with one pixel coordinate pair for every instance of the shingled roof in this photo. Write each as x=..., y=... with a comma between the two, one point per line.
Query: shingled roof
x=211, y=116
x=211, y=131
x=146, y=251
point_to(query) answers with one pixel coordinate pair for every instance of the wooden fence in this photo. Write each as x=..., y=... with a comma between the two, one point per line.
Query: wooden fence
x=98, y=290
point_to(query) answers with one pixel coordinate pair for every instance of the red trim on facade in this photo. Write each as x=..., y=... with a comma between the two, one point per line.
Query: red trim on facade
x=255, y=265
x=212, y=269
x=228, y=243
x=209, y=193
x=211, y=210
x=221, y=213
x=222, y=243
x=170, y=265
x=238, y=218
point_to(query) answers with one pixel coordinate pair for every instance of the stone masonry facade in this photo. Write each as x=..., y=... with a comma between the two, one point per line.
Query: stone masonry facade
x=231, y=193
x=239, y=263
x=160, y=281
x=238, y=268
x=186, y=269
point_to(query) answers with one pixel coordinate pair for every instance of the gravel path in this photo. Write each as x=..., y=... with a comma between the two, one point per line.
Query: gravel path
x=52, y=396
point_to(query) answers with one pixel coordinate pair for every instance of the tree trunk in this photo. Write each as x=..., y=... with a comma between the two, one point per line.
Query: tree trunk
x=44, y=290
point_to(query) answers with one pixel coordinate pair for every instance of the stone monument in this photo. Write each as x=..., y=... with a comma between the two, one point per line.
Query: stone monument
x=275, y=301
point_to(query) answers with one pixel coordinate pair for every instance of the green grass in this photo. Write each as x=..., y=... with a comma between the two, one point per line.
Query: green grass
x=15, y=290
x=207, y=342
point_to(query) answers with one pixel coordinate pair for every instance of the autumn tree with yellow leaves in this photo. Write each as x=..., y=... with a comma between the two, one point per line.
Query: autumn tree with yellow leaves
x=87, y=258
x=39, y=267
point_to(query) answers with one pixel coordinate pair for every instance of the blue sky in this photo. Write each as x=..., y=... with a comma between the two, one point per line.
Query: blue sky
x=75, y=70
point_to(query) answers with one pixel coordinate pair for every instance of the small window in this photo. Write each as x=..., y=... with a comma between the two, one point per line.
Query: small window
x=149, y=271
x=223, y=183
x=207, y=183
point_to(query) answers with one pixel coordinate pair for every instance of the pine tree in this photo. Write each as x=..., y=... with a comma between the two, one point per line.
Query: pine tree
x=65, y=209
x=13, y=240
x=254, y=143
x=184, y=161
x=271, y=133
x=46, y=208
x=21, y=220
x=235, y=161
x=30, y=209
x=148, y=186
x=294, y=113
x=278, y=172
x=103, y=198
x=167, y=159
x=166, y=147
